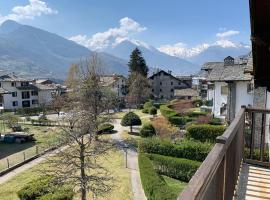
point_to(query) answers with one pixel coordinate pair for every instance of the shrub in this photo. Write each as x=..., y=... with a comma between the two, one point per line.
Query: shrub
x=179, y=121
x=157, y=105
x=153, y=111
x=145, y=110
x=203, y=119
x=195, y=114
x=179, y=168
x=147, y=130
x=205, y=132
x=105, y=128
x=216, y=121
x=37, y=122
x=185, y=149
x=43, y=188
x=131, y=119
x=154, y=186
x=10, y=119
x=148, y=104
x=167, y=112
x=197, y=102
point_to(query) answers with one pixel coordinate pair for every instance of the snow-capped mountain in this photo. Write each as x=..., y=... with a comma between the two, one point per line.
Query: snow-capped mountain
x=154, y=58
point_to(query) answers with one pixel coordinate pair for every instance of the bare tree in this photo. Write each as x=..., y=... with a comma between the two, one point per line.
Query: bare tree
x=78, y=163
x=139, y=89
x=58, y=102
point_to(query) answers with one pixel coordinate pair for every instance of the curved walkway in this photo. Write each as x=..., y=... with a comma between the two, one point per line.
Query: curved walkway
x=132, y=163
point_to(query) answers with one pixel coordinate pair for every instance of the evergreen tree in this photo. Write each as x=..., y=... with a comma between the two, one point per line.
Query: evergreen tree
x=137, y=63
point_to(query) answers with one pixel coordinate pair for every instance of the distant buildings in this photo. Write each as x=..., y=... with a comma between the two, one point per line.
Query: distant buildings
x=117, y=83
x=17, y=92
x=163, y=85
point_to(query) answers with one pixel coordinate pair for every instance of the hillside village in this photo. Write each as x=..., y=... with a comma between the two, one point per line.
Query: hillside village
x=135, y=130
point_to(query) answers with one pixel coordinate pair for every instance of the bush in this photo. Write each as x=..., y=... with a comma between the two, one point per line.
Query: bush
x=179, y=168
x=216, y=121
x=105, y=128
x=148, y=104
x=131, y=119
x=167, y=112
x=145, y=111
x=205, y=132
x=147, y=130
x=153, y=111
x=179, y=121
x=185, y=149
x=195, y=114
x=43, y=187
x=154, y=186
x=197, y=102
x=37, y=122
x=157, y=105
x=10, y=119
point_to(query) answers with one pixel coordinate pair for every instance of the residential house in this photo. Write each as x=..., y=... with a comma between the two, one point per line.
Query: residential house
x=187, y=94
x=163, y=85
x=117, y=83
x=230, y=85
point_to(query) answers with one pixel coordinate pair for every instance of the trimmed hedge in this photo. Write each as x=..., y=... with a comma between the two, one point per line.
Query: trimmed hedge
x=197, y=102
x=185, y=149
x=154, y=186
x=105, y=128
x=147, y=130
x=195, y=114
x=43, y=189
x=167, y=112
x=216, y=121
x=179, y=168
x=205, y=132
x=179, y=121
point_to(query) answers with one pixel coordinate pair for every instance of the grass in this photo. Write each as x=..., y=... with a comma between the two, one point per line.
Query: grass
x=176, y=185
x=115, y=163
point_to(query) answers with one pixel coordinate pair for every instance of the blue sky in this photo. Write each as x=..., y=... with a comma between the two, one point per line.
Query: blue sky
x=162, y=22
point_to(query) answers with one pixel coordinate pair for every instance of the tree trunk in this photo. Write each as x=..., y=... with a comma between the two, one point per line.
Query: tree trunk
x=83, y=176
x=130, y=129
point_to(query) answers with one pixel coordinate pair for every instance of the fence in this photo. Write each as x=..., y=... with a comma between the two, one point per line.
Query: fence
x=20, y=157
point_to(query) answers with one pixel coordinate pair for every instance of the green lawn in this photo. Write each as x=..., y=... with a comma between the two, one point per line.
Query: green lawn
x=114, y=162
x=176, y=185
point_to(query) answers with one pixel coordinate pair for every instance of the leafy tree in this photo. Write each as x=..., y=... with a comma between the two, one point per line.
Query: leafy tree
x=148, y=130
x=137, y=63
x=131, y=119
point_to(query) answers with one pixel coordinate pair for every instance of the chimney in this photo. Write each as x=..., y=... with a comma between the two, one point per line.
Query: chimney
x=229, y=61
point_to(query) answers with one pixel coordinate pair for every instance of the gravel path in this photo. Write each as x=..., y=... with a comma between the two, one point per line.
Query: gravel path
x=132, y=157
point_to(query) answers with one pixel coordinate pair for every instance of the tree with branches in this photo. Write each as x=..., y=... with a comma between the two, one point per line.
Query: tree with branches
x=77, y=164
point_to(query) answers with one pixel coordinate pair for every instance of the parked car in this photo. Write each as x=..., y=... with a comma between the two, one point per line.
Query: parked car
x=18, y=138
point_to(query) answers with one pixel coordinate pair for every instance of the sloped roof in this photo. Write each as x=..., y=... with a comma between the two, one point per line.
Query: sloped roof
x=212, y=65
x=12, y=77
x=110, y=80
x=229, y=73
x=186, y=93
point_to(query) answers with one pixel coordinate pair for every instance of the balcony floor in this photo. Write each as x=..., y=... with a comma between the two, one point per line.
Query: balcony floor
x=254, y=183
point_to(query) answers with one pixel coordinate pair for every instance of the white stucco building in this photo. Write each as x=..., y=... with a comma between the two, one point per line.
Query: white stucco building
x=117, y=83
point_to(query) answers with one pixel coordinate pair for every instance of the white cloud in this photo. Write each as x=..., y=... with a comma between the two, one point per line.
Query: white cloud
x=35, y=8
x=227, y=34
x=113, y=36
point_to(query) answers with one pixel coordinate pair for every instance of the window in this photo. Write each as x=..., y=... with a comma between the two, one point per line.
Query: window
x=160, y=83
x=0, y=85
x=211, y=86
x=160, y=90
x=34, y=93
x=179, y=83
x=34, y=101
x=171, y=83
x=13, y=84
x=26, y=95
x=14, y=94
x=15, y=103
x=24, y=84
x=152, y=90
x=25, y=104
x=250, y=87
x=224, y=90
x=172, y=90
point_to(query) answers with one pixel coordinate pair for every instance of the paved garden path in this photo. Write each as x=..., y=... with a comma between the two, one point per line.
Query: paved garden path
x=132, y=158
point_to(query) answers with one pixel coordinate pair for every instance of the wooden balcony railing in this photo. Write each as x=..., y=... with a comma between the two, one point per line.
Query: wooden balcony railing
x=218, y=175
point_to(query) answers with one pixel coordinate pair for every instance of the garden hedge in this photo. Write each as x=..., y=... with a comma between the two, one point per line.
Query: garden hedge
x=167, y=112
x=105, y=128
x=185, y=149
x=179, y=121
x=42, y=188
x=153, y=110
x=147, y=130
x=205, y=132
x=154, y=186
x=179, y=168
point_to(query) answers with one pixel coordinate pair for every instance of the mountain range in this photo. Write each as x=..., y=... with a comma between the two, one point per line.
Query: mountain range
x=34, y=52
